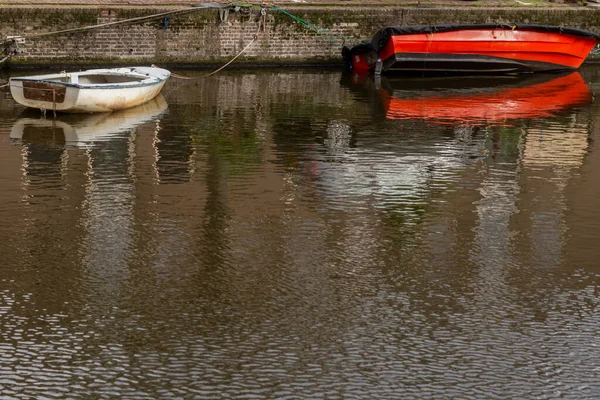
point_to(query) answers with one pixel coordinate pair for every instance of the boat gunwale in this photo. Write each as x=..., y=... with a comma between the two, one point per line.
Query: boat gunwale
x=149, y=81
x=142, y=79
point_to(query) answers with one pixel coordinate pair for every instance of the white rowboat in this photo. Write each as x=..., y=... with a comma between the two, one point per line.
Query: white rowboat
x=95, y=90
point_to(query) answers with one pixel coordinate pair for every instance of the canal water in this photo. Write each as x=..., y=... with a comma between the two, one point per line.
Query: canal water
x=306, y=234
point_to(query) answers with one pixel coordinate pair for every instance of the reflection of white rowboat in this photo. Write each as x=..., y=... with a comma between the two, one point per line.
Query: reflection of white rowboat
x=95, y=90
x=79, y=129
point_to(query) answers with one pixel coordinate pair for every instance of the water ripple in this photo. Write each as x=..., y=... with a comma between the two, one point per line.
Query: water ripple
x=278, y=235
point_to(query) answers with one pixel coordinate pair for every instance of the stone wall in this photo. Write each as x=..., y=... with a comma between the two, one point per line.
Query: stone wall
x=207, y=37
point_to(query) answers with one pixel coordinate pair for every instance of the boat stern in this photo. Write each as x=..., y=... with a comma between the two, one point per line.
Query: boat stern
x=41, y=94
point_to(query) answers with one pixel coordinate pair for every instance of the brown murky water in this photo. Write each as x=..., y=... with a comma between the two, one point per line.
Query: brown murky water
x=306, y=235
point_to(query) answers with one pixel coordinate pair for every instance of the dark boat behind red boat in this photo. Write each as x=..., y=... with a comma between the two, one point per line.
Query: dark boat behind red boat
x=472, y=48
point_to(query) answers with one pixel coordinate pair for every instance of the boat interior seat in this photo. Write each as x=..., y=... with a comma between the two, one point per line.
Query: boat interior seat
x=99, y=79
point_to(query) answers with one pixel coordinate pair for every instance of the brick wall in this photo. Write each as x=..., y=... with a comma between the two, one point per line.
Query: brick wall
x=205, y=37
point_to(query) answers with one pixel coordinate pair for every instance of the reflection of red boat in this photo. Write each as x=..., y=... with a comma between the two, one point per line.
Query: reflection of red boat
x=473, y=48
x=483, y=100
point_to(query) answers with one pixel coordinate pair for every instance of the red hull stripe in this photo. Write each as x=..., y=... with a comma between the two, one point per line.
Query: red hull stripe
x=545, y=47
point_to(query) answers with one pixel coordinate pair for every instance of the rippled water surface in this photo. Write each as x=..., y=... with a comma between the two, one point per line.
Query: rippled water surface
x=306, y=235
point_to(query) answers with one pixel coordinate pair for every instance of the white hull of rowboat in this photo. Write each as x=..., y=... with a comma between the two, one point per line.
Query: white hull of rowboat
x=97, y=90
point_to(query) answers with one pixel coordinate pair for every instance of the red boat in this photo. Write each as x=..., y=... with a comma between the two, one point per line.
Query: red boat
x=472, y=48
x=483, y=100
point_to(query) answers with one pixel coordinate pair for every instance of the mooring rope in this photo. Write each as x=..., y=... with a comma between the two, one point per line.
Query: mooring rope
x=124, y=21
x=318, y=29
x=326, y=33
x=259, y=32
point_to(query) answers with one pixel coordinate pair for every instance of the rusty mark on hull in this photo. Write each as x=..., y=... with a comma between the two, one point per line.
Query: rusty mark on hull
x=43, y=91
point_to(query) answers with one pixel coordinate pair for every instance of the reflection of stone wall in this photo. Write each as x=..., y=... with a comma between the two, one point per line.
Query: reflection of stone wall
x=555, y=146
x=240, y=91
x=205, y=37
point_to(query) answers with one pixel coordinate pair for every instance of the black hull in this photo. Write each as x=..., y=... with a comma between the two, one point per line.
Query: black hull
x=463, y=63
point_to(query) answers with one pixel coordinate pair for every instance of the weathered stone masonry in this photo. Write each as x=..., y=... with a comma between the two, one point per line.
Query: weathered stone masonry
x=203, y=37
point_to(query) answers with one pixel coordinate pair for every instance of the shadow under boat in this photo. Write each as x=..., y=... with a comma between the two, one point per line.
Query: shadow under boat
x=83, y=129
x=473, y=100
